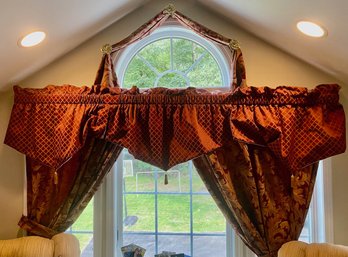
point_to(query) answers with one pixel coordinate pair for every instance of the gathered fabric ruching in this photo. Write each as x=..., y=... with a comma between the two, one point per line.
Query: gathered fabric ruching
x=165, y=127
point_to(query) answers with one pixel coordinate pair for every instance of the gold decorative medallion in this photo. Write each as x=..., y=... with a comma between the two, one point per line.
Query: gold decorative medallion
x=106, y=49
x=234, y=44
x=170, y=9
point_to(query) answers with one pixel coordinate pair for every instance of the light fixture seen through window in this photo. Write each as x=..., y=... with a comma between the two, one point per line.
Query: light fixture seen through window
x=33, y=39
x=311, y=29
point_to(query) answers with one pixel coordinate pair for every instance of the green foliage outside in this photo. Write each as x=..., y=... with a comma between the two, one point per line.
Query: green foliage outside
x=187, y=59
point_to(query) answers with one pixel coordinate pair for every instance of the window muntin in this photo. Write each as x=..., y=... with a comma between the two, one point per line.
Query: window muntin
x=182, y=211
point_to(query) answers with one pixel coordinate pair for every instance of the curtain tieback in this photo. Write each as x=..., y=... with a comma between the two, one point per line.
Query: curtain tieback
x=36, y=228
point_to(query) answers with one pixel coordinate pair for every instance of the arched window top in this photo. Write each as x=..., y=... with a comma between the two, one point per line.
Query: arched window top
x=173, y=57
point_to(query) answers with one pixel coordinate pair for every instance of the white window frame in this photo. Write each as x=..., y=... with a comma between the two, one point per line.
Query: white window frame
x=327, y=215
x=220, y=55
x=321, y=213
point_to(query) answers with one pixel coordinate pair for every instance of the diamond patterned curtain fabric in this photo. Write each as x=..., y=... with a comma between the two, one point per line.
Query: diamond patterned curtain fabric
x=165, y=127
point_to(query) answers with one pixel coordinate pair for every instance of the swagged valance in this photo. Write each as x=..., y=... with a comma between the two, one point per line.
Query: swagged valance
x=165, y=127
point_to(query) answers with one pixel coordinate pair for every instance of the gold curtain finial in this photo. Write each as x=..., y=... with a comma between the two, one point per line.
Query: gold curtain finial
x=170, y=10
x=234, y=44
x=106, y=49
x=55, y=178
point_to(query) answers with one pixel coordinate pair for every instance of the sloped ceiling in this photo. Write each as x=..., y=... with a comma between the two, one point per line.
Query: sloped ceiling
x=69, y=23
x=275, y=22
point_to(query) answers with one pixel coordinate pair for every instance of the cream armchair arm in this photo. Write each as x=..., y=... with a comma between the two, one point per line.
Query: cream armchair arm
x=61, y=245
x=66, y=245
x=301, y=249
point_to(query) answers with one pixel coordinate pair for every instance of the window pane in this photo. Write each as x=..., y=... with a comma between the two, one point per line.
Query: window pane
x=141, y=179
x=207, y=217
x=145, y=241
x=86, y=244
x=175, y=181
x=178, y=179
x=208, y=246
x=83, y=230
x=306, y=231
x=185, y=53
x=173, y=80
x=174, y=213
x=197, y=183
x=139, y=212
x=206, y=73
x=139, y=74
x=157, y=54
x=174, y=243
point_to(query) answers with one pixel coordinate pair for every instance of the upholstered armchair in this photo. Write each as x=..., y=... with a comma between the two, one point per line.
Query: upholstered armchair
x=301, y=249
x=61, y=245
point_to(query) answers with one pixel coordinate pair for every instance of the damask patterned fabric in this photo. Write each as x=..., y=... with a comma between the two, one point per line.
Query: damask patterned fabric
x=56, y=198
x=265, y=202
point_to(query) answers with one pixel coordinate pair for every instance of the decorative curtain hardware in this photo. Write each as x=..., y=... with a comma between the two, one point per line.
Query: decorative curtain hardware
x=170, y=10
x=234, y=44
x=106, y=49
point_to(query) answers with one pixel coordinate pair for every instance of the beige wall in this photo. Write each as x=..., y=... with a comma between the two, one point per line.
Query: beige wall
x=340, y=184
x=265, y=65
x=11, y=176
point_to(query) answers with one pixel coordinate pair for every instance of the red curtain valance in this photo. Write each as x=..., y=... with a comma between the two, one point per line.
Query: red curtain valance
x=165, y=127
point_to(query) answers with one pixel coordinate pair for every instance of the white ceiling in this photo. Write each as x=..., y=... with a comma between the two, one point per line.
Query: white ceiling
x=275, y=22
x=67, y=23
x=70, y=23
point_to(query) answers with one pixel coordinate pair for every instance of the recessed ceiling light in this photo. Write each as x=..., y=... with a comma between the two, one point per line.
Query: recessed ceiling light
x=311, y=29
x=33, y=39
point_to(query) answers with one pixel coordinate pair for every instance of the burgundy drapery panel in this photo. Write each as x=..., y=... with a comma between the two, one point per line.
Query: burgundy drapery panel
x=56, y=198
x=265, y=202
x=291, y=128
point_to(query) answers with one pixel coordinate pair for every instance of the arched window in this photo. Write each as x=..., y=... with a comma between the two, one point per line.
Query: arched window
x=173, y=57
